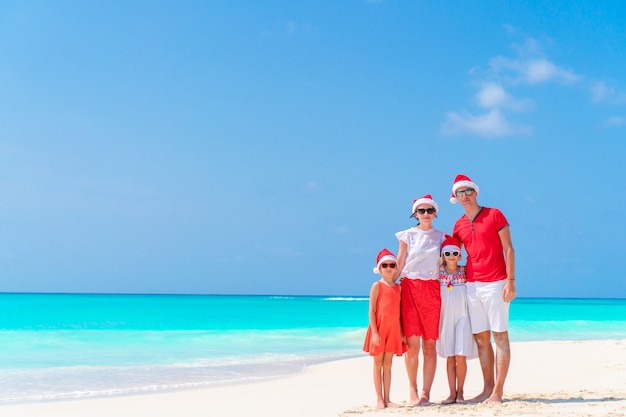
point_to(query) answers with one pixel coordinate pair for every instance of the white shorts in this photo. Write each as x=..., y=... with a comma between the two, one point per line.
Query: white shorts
x=487, y=308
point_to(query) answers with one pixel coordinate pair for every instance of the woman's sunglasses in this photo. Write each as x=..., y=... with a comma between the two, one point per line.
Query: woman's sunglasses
x=392, y=266
x=428, y=210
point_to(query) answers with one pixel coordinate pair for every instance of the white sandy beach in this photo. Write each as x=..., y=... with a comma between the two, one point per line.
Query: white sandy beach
x=585, y=378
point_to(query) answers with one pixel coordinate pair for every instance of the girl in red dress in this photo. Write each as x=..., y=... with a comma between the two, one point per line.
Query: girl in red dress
x=384, y=333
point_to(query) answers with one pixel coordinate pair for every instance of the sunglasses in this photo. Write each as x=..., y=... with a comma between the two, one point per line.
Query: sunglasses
x=428, y=210
x=392, y=266
x=467, y=192
x=455, y=253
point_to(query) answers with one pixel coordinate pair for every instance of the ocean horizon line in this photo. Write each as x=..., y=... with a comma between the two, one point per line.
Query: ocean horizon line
x=264, y=295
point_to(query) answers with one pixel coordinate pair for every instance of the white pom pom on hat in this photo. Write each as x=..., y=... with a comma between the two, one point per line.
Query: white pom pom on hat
x=462, y=181
x=384, y=255
x=427, y=199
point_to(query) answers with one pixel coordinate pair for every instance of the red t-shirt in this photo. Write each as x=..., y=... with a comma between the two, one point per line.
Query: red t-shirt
x=485, y=255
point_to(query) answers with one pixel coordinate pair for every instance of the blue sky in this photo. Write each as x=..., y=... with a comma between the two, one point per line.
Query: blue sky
x=275, y=147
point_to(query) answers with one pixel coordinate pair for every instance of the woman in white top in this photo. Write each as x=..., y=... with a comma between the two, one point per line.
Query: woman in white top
x=418, y=269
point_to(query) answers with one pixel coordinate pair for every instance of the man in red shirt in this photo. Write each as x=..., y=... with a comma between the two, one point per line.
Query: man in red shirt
x=485, y=234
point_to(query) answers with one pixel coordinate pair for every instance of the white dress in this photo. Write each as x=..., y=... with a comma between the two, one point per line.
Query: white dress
x=455, y=333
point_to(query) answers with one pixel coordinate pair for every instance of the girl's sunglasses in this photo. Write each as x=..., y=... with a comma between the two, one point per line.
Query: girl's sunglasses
x=455, y=253
x=392, y=266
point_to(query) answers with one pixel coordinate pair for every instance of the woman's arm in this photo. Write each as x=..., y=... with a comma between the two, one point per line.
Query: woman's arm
x=402, y=250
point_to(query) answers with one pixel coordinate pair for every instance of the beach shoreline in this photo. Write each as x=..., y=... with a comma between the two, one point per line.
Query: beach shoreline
x=578, y=378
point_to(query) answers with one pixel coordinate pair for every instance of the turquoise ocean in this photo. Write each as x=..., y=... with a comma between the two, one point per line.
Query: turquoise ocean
x=55, y=346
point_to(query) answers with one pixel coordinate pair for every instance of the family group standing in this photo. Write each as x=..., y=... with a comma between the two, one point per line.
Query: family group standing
x=439, y=304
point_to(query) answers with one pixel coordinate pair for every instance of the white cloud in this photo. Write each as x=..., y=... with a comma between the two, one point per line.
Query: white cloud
x=617, y=121
x=529, y=67
x=603, y=93
x=492, y=124
x=493, y=95
x=530, y=47
x=532, y=70
x=599, y=91
x=542, y=70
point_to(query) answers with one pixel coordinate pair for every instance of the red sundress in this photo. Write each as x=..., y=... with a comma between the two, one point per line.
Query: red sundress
x=387, y=321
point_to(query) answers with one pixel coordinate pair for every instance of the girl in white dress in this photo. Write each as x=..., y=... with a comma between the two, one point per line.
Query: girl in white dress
x=456, y=342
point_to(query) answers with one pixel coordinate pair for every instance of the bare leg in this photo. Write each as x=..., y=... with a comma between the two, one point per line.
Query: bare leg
x=503, y=359
x=387, y=361
x=451, y=371
x=486, y=357
x=461, y=373
x=430, y=366
x=378, y=382
x=411, y=363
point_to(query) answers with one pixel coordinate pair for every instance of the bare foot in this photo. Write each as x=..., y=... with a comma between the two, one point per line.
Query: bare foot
x=494, y=398
x=392, y=405
x=424, y=401
x=381, y=404
x=450, y=400
x=480, y=397
x=460, y=399
x=413, y=397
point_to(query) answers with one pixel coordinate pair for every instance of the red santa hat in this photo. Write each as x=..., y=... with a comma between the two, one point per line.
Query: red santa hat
x=384, y=255
x=450, y=244
x=459, y=182
x=427, y=199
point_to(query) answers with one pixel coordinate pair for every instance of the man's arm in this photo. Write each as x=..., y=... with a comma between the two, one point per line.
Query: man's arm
x=508, y=293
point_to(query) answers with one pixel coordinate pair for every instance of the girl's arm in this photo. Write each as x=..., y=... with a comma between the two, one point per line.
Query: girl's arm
x=372, y=314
